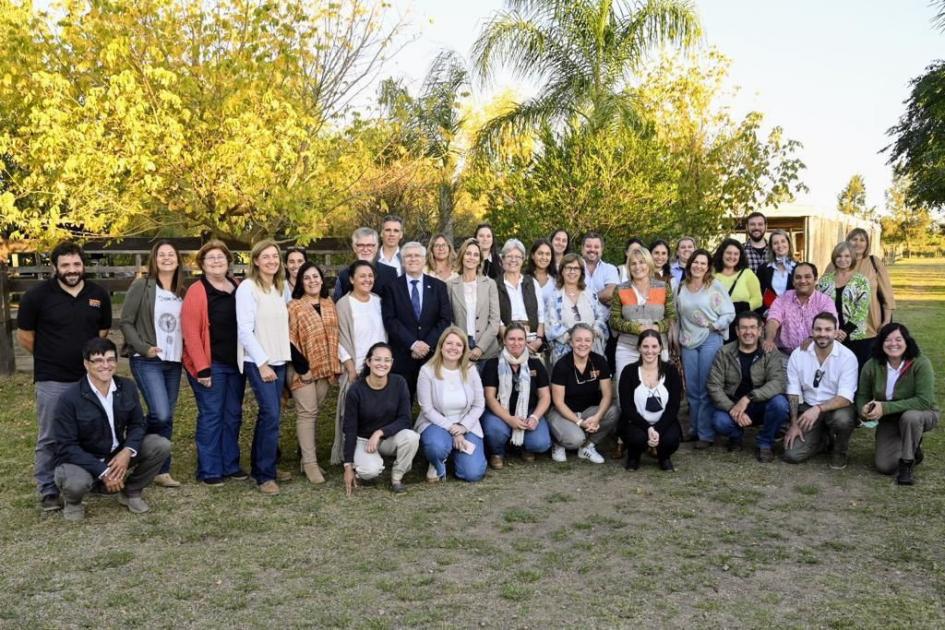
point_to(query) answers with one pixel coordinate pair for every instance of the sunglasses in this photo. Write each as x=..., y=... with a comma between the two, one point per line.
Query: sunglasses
x=818, y=376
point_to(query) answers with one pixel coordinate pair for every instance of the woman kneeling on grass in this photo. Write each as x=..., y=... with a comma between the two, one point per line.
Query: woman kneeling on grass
x=584, y=412
x=377, y=422
x=650, y=390
x=897, y=389
x=517, y=397
x=449, y=391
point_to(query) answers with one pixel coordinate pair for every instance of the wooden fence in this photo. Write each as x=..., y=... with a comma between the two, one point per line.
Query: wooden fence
x=114, y=265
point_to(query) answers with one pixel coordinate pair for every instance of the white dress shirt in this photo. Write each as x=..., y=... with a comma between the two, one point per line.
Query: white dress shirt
x=108, y=402
x=517, y=301
x=393, y=261
x=838, y=378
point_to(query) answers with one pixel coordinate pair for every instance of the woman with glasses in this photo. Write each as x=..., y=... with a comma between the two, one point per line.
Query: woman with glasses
x=441, y=259
x=150, y=324
x=650, y=390
x=360, y=326
x=377, y=423
x=645, y=302
x=850, y=292
x=584, y=411
x=313, y=333
x=519, y=296
x=571, y=303
x=208, y=325
x=475, y=302
x=450, y=394
x=897, y=390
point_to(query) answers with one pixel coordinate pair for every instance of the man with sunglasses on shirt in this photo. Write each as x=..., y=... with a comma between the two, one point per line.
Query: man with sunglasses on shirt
x=821, y=386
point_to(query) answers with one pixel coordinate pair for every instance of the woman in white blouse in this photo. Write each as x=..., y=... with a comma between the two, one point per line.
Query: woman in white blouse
x=360, y=326
x=475, y=302
x=520, y=296
x=451, y=399
x=262, y=322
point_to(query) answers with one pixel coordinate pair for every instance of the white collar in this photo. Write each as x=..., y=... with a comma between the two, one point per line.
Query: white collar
x=112, y=388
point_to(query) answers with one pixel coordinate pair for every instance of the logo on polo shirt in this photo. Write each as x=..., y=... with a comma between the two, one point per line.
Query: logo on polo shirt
x=95, y=303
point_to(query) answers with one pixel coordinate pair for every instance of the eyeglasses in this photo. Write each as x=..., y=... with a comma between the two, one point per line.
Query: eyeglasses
x=100, y=361
x=572, y=269
x=818, y=376
x=514, y=258
x=576, y=312
x=365, y=245
x=591, y=377
x=220, y=258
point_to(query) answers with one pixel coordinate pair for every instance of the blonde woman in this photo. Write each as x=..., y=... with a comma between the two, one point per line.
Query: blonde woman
x=262, y=321
x=850, y=292
x=475, y=302
x=441, y=258
x=451, y=399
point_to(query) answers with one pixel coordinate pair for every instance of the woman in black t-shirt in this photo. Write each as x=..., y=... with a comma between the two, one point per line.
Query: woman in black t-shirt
x=584, y=412
x=517, y=397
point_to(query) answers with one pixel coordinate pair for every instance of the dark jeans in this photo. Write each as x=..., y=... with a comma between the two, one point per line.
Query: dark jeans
x=771, y=415
x=219, y=416
x=266, y=434
x=159, y=382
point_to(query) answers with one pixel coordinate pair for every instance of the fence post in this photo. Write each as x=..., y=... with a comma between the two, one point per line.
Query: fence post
x=7, y=349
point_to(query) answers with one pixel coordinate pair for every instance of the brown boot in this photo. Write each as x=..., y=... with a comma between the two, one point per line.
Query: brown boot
x=313, y=473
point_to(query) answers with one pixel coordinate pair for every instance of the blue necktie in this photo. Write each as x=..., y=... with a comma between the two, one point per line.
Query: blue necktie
x=415, y=299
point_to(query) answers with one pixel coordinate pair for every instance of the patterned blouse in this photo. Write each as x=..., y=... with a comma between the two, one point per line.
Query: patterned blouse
x=855, y=301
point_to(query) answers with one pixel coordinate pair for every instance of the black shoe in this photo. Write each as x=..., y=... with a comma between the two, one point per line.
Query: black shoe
x=398, y=487
x=919, y=456
x=633, y=461
x=51, y=502
x=904, y=478
x=667, y=465
x=239, y=475
x=701, y=445
x=213, y=481
x=690, y=437
x=734, y=445
x=764, y=454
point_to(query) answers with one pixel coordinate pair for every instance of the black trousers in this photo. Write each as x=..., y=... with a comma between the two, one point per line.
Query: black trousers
x=635, y=439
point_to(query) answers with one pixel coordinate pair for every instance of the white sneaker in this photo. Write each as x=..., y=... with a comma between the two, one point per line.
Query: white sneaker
x=589, y=452
x=558, y=453
x=432, y=475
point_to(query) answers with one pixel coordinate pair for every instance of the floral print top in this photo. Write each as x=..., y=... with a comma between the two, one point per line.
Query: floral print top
x=855, y=302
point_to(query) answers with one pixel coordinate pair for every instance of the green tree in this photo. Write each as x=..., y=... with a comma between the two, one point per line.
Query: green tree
x=582, y=51
x=852, y=199
x=905, y=226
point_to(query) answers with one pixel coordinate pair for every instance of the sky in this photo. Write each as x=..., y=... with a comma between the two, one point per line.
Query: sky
x=832, y=73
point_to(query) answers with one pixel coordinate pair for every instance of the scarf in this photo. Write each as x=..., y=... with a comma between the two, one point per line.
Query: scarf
x=315, y=336
x=506, y=361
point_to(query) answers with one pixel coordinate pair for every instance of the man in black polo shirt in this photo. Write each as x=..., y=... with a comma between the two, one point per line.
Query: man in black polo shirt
x=54, y=322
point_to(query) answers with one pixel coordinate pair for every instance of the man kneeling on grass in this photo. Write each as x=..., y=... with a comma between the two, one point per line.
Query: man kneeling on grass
x=746, y=385
x=99, y=430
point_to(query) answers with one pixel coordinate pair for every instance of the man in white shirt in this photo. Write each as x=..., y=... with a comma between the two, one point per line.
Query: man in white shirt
x=821, y=387
x=392, y=230
x=600, y=276
x=99, y=431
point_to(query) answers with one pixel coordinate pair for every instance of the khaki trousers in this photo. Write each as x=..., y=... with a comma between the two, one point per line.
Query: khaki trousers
x=834, y=427
x=403, y=447
x=898, y=437
x=308, y=399
x=571, y=436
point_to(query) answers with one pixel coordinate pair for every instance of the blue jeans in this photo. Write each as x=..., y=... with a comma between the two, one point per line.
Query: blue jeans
x=771, y=415
x=159, y=382
x=437, y=445
x=498, y=434
x=266, y=434
x=219, y=416
x=697, y=362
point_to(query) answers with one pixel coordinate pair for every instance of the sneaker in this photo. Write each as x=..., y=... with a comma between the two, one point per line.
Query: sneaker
x=270, y=488
x=397, y=487
x=528, y=457
x=667, y=465
x=904, y=478
x=134, y=503
x=51, y=502
x=239, y=475
x=734, y=445
x=432, y=475
x=73, y=512
x=838, y=460
x=496, y=462
x=166, y=481
x=213, y=481
x=764, y=454
x=558, y=453
x=589, y=452
x=283, y=475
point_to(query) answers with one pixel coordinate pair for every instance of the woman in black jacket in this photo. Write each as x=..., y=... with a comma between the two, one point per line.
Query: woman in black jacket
x=650, y=390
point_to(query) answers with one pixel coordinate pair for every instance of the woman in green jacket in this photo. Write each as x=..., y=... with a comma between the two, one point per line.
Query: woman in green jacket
x=897, y=390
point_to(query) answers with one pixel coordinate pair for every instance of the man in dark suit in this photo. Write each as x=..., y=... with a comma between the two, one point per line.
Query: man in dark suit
x=364, y=243
x=416, y=310
x=99, y=430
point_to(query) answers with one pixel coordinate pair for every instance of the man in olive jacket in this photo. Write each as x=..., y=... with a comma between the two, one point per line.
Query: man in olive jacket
x=747, y=385
x=99, y=430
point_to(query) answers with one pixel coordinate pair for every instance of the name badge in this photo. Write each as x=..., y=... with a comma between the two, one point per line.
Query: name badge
x=95, y=303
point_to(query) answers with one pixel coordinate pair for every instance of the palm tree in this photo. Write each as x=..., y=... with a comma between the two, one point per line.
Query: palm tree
x=581, y=51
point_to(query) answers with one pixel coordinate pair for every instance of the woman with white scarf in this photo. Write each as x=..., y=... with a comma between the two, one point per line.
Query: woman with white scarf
x=517, y=396
x=571, y=303
x=777, y=275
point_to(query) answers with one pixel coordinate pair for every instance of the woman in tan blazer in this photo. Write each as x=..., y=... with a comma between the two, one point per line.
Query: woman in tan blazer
x=475, y=302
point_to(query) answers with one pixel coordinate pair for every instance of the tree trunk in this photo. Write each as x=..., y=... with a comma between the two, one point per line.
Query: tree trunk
x=446, y=209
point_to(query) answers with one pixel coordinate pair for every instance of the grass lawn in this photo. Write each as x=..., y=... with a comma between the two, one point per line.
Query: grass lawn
x=723, y=542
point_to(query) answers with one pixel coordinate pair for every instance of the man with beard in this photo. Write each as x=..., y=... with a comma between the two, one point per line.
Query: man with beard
x=756, y=248
x=821, y=385
x=55, y=320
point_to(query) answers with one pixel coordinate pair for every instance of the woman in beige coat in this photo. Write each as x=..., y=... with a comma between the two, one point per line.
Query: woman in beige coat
x=475, y=302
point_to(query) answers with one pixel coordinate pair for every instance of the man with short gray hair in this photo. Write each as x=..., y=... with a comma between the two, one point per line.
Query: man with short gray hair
x=364, y=243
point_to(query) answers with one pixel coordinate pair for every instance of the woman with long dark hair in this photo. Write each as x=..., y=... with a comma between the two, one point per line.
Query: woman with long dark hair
x=491, y=265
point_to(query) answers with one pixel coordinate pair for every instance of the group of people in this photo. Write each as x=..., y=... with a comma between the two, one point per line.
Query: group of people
x=504, y=349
